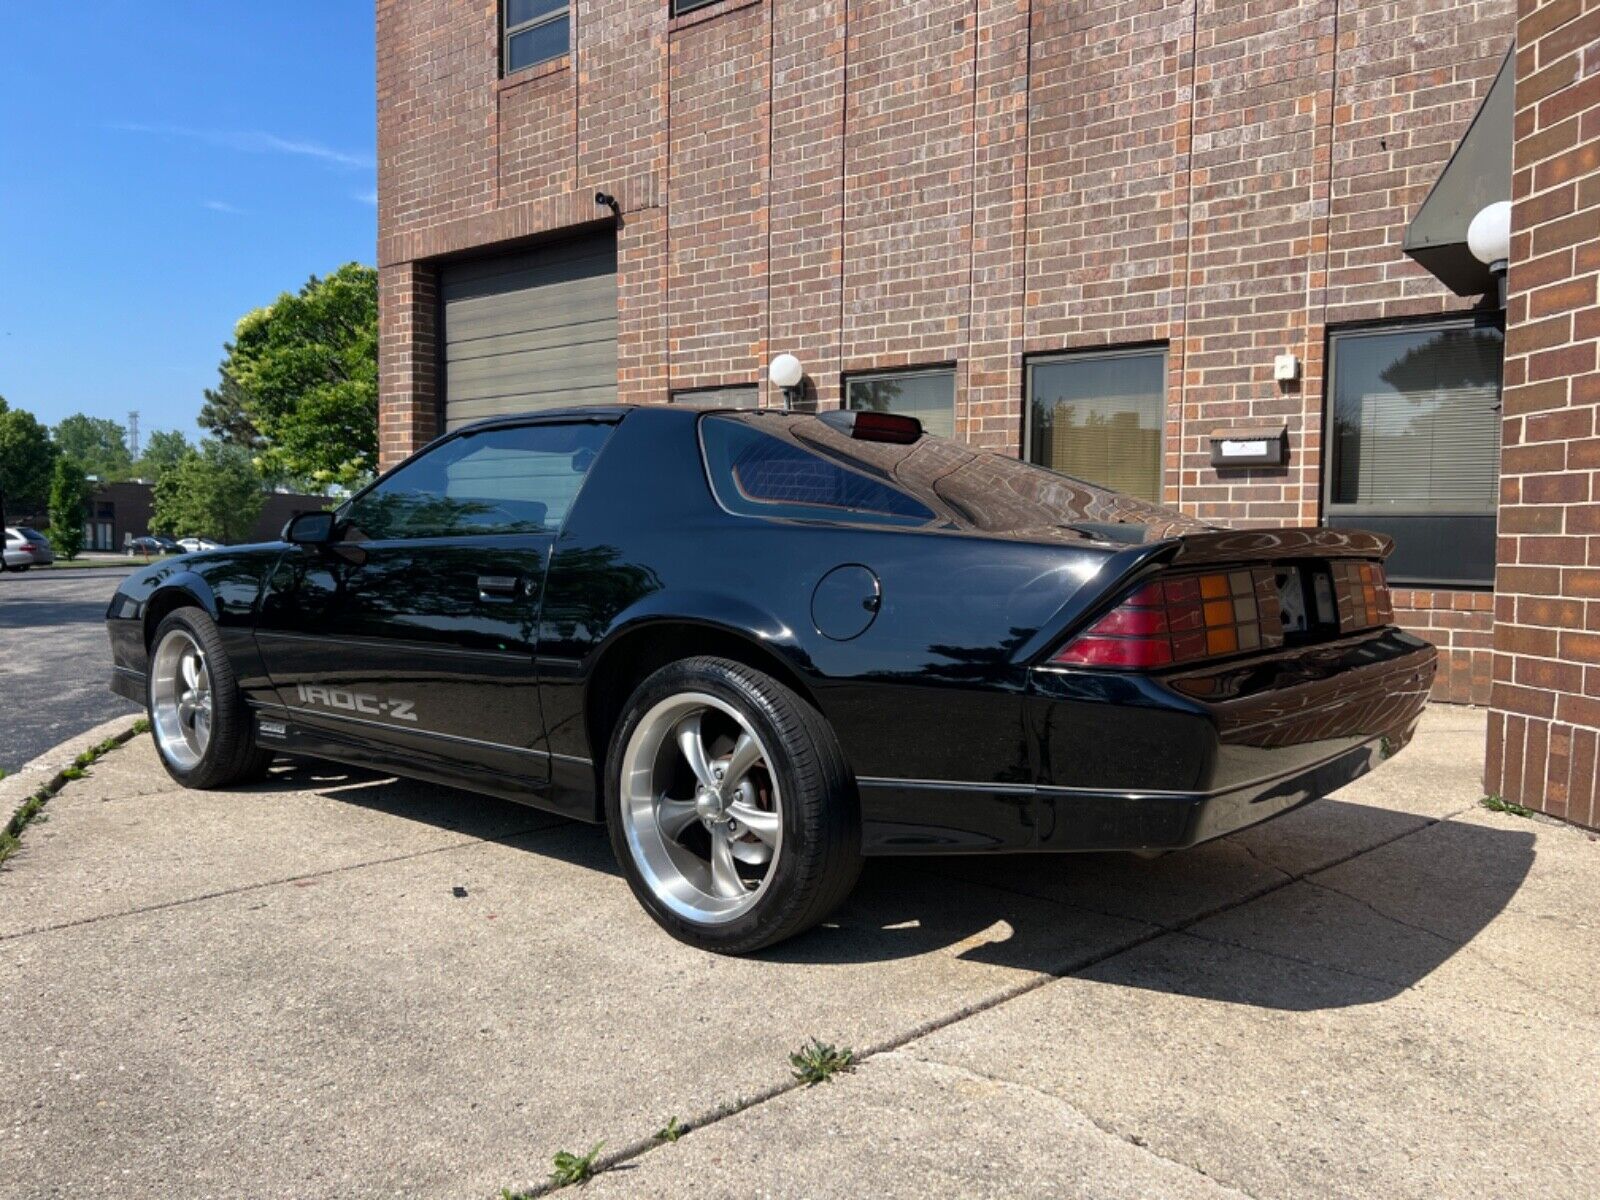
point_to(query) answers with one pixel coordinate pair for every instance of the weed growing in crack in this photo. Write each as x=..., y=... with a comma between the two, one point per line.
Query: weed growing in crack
x=1494, y=802
x=817, y=1062
x=573, y=1168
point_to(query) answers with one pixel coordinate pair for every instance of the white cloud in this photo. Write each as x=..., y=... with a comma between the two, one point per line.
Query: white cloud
x=370, y=196
x=251, y=141
x=222, y=206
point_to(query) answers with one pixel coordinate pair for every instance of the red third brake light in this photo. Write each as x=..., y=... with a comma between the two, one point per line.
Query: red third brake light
x=1182, y=619
x=865, y=425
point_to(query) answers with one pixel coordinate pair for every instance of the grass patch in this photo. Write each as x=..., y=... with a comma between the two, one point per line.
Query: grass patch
x=1494, y=802
x=31, y=810
x=671, y=1131
x=817, y=1062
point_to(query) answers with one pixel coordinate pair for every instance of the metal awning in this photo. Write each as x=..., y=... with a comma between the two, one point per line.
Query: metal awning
x=1478, y=174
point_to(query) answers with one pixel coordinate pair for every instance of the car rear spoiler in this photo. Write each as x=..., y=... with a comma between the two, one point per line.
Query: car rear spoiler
x=1266, y=545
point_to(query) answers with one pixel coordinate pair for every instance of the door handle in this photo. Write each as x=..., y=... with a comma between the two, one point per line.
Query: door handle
x=499, y=587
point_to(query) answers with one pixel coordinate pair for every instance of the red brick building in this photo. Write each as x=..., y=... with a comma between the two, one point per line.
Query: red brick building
x=1094, y=234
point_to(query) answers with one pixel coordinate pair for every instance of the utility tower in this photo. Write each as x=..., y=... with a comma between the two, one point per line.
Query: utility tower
x=133, y=434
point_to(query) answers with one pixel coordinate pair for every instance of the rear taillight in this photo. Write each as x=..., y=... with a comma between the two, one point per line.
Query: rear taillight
x=1362, y=595
x=1183, y=619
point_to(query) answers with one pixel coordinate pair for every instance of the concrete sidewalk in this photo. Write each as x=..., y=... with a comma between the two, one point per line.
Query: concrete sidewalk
x=277, y=992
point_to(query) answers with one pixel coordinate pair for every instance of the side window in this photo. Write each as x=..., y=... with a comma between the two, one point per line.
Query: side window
x=521, y=479
x=756, y=474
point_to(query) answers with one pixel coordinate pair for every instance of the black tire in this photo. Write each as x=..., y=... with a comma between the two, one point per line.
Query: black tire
x=231, y=755
x=820, y=858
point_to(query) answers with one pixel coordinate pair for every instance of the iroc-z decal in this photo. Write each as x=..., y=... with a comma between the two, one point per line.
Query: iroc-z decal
x=360, y=702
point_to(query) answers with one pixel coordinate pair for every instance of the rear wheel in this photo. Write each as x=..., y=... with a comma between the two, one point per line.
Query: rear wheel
x=730, y=808
x=201, y=725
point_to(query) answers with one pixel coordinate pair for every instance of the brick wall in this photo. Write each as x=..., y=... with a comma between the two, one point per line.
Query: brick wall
x=873, y=183
x=1545, y=713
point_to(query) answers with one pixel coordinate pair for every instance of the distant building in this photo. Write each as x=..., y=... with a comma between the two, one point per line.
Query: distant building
x=120, y=512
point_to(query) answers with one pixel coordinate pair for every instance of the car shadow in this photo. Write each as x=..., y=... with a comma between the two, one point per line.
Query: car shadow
x=1234, y=920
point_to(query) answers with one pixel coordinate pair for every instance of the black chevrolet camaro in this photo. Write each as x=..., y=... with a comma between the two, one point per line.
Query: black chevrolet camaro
x=760, y=645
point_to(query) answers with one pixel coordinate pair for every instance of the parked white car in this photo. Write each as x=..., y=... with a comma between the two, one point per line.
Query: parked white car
x=190, y=544
x=26, y=548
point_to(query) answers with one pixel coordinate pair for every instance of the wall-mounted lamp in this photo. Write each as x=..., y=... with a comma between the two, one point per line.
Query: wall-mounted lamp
x=786, y=372
x=1489, y=239
x=607, y=200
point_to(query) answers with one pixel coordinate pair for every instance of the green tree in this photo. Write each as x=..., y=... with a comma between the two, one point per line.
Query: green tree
x=306, y=370
x=69, y=499
x=163, y=450
x=211, y=492
x=27, y=456
x=225, y=413
x=99, y=444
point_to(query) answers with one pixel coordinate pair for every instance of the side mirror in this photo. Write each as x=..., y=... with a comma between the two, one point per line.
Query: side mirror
x=310, y=529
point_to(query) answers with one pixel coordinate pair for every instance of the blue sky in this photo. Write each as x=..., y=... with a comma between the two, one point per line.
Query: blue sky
x=164, y=168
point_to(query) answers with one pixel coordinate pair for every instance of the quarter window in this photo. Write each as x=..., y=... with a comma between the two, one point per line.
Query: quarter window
x=756, y=474
x=521, y=479
x=534, y=31
x=1100, y=417
x=1414, y=445
x=929, y=396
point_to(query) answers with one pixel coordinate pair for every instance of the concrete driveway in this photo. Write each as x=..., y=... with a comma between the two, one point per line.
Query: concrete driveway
x=283, y=992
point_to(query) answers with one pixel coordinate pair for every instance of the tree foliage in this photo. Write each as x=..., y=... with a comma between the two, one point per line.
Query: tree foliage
x=98, y=444
x=211, y=492
x=163, y=450
x=225, y=412
x=69, y=499
x=304, y=371
x=27, y=457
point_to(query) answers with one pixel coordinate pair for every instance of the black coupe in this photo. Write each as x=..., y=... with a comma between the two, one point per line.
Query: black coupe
x=760, y=645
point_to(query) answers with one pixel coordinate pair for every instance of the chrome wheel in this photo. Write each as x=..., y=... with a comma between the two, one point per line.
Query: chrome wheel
x=700, y=808
x=180, y=700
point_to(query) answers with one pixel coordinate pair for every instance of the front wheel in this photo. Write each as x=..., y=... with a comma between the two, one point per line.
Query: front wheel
x=730, y=808
x=200, y=723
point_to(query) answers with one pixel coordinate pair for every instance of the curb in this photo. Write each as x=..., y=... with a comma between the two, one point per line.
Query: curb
x=47, y=770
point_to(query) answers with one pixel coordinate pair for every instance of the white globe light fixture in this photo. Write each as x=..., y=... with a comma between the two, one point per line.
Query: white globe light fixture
x=786, y=372
x=1489, y=240
x=1489, y=235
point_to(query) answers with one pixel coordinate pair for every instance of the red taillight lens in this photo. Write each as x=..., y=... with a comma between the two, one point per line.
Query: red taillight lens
x=1183, y=619
x=1362, y=594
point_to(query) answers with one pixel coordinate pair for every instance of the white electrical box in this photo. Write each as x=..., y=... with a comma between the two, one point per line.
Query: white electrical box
x=1286, y=368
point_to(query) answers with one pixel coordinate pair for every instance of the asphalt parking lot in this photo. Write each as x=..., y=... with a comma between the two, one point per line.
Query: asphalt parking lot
x=338, y=985
x=54, y=658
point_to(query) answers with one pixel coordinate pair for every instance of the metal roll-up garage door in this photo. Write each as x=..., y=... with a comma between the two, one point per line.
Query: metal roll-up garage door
x=534, y=329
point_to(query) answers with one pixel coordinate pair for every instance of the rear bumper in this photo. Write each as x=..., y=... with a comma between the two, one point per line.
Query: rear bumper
x=1161, y=763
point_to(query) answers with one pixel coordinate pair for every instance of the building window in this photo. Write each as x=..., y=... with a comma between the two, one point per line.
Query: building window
x=744, y=395
x=1414, y=445
x=1100, y=417
x=927, y=395
x=679, y=7
x=534, y=31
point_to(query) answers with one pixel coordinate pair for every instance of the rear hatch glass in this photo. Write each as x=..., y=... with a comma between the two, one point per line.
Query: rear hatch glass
x=795, y=465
